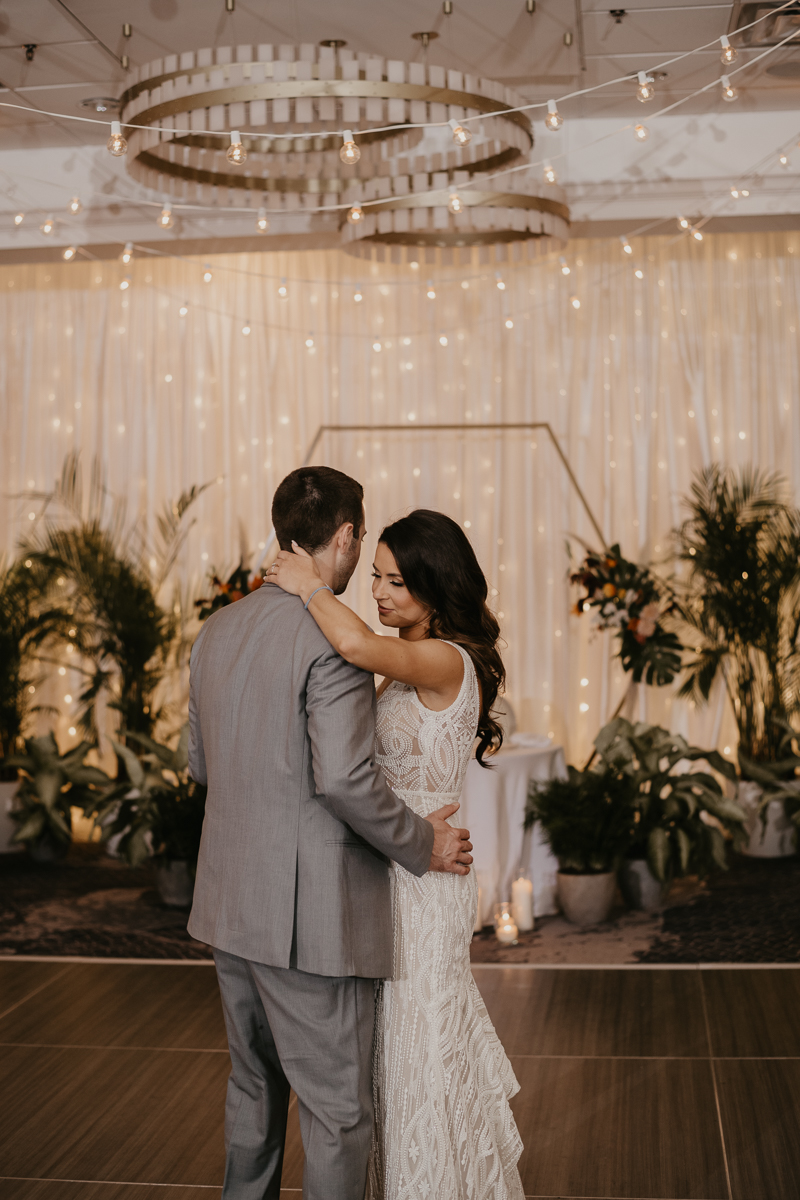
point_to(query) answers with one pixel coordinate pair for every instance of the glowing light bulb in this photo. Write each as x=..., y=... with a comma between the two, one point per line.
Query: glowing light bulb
x=461, y=136
x=627, y=248
x=310, y=342
x=729, y=92
x=349, y=153
x=356, y=215
x=783, y=160
x=75, y=205
x=641, y=133
x=574, y=301
x=549, y=174
x=127, y=253
x=246, y=328
x=553, y=120
x=745, y=192
x=509, y=323
x=207, y=274
x=70, y=253
x=697, y=235
x=729, y=53
x=377, y=347
x=19, y=218
x=262, y=224
x=501, y=287
x=283, y=291
x=47, y=226
x=645, y=91
x=431, y=292
x=236, y=152
x=125, y=283
x=165, y=220
x=639, y=273
x=184, y=308
x=357, y=297
x=442, y=340
x=735, y=193
x=116, y=144
x=455, y=203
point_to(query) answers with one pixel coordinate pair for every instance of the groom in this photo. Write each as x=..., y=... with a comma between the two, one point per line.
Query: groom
x=292, y=883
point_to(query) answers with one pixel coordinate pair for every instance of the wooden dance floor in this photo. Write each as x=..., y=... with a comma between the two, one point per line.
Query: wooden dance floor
x=649, y=1084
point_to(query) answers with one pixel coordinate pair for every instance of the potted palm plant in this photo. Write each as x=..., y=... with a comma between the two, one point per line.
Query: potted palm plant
x=779, y=782
x=588, y=820
x=157, y=812
x=682, y=818
x=740, y=604
x=110, y=577
x=25, y=628
x=51, y=784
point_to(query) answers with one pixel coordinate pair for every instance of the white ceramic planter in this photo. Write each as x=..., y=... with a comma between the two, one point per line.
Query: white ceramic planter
x=776, y=839
x=175, y=884
x=640, y=888
x=8, y=827
x=586, y=899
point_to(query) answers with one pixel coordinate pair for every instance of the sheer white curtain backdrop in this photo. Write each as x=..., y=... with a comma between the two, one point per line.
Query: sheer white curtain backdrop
x=648, y=380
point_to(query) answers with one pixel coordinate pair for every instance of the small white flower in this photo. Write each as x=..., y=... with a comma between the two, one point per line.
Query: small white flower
x=413, y=1151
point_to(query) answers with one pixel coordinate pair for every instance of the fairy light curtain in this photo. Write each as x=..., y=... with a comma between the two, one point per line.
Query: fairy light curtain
x=647, y=380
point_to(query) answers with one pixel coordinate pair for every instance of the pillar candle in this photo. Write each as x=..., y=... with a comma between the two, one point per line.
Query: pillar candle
x=522, y=903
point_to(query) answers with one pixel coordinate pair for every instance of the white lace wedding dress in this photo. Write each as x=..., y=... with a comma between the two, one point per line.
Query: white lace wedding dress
x=443, y=1129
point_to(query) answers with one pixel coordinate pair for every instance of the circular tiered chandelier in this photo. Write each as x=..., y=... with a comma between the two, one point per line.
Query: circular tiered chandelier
x=292, y=105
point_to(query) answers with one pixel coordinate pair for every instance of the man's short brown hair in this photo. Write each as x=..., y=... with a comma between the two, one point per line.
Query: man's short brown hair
x=312, y=503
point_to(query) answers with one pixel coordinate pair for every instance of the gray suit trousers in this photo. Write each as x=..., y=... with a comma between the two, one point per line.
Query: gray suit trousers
x=313, y=1033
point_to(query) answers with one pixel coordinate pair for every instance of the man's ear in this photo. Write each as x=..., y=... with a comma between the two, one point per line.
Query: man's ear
x=344, y=536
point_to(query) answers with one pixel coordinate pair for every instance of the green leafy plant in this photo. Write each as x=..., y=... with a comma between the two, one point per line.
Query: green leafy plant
x=779, y=779
x=739, y=603
x=673, y=806
x=158, y=810
x=52, y=783
x=588, y=819
x=107, y=577
x=26, y=627
x=630, y=600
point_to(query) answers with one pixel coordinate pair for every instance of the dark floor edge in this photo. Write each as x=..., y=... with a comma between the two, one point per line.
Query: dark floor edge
x=212, y=1187
x=78, y=958
x=208, y=962
x=216, y=1187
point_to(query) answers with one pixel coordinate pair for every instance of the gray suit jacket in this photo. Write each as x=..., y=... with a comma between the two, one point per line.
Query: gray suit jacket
x=299, y=822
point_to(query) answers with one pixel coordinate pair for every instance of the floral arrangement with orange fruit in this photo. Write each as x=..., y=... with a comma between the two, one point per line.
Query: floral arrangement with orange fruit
x=629, y=599
x=235, y=587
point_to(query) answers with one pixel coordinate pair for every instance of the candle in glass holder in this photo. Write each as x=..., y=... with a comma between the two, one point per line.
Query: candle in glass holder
x=505, y=927
x=522, y=902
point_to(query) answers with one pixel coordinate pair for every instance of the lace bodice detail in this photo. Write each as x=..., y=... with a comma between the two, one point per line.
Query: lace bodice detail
x=424, y=752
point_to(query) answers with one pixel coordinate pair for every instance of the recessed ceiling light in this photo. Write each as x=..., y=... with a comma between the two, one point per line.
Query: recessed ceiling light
x=101, y=103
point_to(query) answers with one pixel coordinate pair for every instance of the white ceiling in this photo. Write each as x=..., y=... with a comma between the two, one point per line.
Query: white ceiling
x=687, y=159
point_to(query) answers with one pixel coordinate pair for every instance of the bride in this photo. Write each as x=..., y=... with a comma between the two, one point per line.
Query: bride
x=443, y=1126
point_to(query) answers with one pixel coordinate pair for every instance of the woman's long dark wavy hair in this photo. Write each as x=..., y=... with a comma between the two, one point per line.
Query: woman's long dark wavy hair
x=440, y=570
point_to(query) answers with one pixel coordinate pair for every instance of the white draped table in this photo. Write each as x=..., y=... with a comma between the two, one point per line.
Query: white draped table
x=493, y=809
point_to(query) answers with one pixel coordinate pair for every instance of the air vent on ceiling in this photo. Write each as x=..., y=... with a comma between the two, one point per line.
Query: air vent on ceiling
x=775, y=22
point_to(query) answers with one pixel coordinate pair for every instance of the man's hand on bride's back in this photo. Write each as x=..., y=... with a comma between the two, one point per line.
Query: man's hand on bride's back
x=451, y=846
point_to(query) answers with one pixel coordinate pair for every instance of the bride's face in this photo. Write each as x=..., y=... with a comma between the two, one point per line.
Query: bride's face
x=397, y=608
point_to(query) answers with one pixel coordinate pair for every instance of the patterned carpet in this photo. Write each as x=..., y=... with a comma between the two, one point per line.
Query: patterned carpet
x=93, y=906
